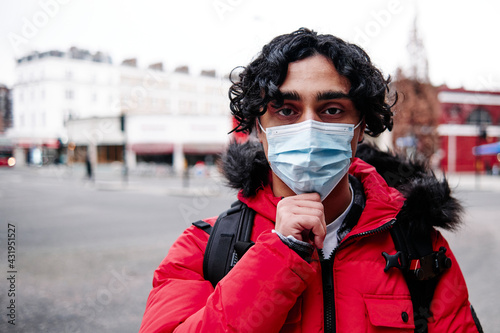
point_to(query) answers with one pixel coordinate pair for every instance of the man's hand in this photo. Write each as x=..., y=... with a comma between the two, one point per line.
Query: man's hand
x=302, y=216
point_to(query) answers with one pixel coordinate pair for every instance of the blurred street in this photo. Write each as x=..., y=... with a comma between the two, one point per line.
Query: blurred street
x=86, y=251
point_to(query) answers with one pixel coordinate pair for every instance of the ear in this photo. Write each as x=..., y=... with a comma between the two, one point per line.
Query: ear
x=260, y=134
x=361, y=135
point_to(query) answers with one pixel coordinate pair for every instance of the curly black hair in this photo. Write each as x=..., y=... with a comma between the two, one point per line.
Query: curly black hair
x=259, y=82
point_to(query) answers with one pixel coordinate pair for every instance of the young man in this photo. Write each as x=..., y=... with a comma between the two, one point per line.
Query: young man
x=323, y=217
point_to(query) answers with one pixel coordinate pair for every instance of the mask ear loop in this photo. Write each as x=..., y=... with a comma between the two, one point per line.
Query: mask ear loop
x=260, y=125
x=362, y=119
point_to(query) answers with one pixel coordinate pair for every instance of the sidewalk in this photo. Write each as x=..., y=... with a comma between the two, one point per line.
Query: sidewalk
x=472, y=182
x=158, y=182
x=161, y=182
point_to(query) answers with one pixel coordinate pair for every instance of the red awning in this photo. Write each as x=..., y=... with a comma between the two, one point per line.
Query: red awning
x=152, y=148
x=37, y=142
x=203, y=148
x=51, y=143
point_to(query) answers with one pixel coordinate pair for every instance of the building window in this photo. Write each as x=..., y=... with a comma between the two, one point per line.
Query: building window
x=68, y=114
x=479, y=117
x=69, y=94
x=207, y=108
x=187, y=107
x=187, y=87
x=108, y=154
x=166, y=106
x=212, y=90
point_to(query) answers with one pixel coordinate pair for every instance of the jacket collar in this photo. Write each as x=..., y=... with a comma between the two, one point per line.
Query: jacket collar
x=382, y=202
x=392, y=183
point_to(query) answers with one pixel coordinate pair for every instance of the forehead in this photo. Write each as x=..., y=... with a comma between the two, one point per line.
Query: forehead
x=313, y=74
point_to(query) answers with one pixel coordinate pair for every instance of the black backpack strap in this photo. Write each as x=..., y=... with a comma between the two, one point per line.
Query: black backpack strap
x=229, y=240
x=476, y=320
x=203, y=226
x=421, y=266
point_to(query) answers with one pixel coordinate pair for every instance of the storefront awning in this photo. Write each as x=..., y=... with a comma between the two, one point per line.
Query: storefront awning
x=487, y=149
x=37, y=142
x=168, y=148
x=51, y=143
x=203, y=148
x=152, y=148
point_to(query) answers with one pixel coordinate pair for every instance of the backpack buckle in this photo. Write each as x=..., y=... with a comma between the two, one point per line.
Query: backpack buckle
x=397, y=260
x=425, y=268
x=430, y=265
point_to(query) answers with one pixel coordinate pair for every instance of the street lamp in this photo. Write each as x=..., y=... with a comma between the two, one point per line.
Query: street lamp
x=124, y=150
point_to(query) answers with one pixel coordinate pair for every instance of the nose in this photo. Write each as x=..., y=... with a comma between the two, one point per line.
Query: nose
x=309, y=114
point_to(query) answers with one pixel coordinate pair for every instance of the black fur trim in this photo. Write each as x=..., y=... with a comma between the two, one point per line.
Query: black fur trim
x=395, y=169
x=429, y=202
x=245, y=167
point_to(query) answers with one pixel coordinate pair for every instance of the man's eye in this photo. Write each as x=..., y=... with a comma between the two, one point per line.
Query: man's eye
x=332, y=111
x=285, y=112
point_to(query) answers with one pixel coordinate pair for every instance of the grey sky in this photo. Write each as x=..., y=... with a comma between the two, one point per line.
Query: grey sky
x=460, y=36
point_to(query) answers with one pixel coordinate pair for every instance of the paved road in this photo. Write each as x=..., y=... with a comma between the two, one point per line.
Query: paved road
x=86, y=252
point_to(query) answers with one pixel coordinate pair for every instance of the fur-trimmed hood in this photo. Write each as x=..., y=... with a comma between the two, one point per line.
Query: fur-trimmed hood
x=428, y=204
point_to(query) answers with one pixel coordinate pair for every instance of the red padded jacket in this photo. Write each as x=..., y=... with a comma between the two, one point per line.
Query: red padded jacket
x=272, y=289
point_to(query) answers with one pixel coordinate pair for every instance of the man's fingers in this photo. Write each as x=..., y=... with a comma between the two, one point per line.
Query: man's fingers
x=319, y=241
x=305, y=196
x=319, y=232
x=304, y=200
x=299, y=210
x=303, y=217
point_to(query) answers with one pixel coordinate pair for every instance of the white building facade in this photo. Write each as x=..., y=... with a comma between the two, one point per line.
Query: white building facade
x=173, y=117
x=82, y=102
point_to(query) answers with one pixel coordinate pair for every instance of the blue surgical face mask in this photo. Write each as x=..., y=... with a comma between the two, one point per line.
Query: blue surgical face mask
x=310, y=156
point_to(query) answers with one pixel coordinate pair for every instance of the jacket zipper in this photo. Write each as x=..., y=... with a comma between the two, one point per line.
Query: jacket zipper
x=327, y=276
x=328, y=294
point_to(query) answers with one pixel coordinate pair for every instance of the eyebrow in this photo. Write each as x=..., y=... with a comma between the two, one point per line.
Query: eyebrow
x=290, y=95
x=327, y=95
x=321, y=96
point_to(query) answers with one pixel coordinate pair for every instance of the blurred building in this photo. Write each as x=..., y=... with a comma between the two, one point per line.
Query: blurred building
x=173, y=117
x=5, y=108
x=441, y=124
x=53, y=88
x=468, y=119
x=70, y=105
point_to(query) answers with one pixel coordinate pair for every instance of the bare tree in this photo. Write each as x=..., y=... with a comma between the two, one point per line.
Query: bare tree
x=417, y=112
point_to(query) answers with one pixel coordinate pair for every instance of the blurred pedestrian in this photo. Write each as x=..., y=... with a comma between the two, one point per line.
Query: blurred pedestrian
x=323, y=258
x=88, y=167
